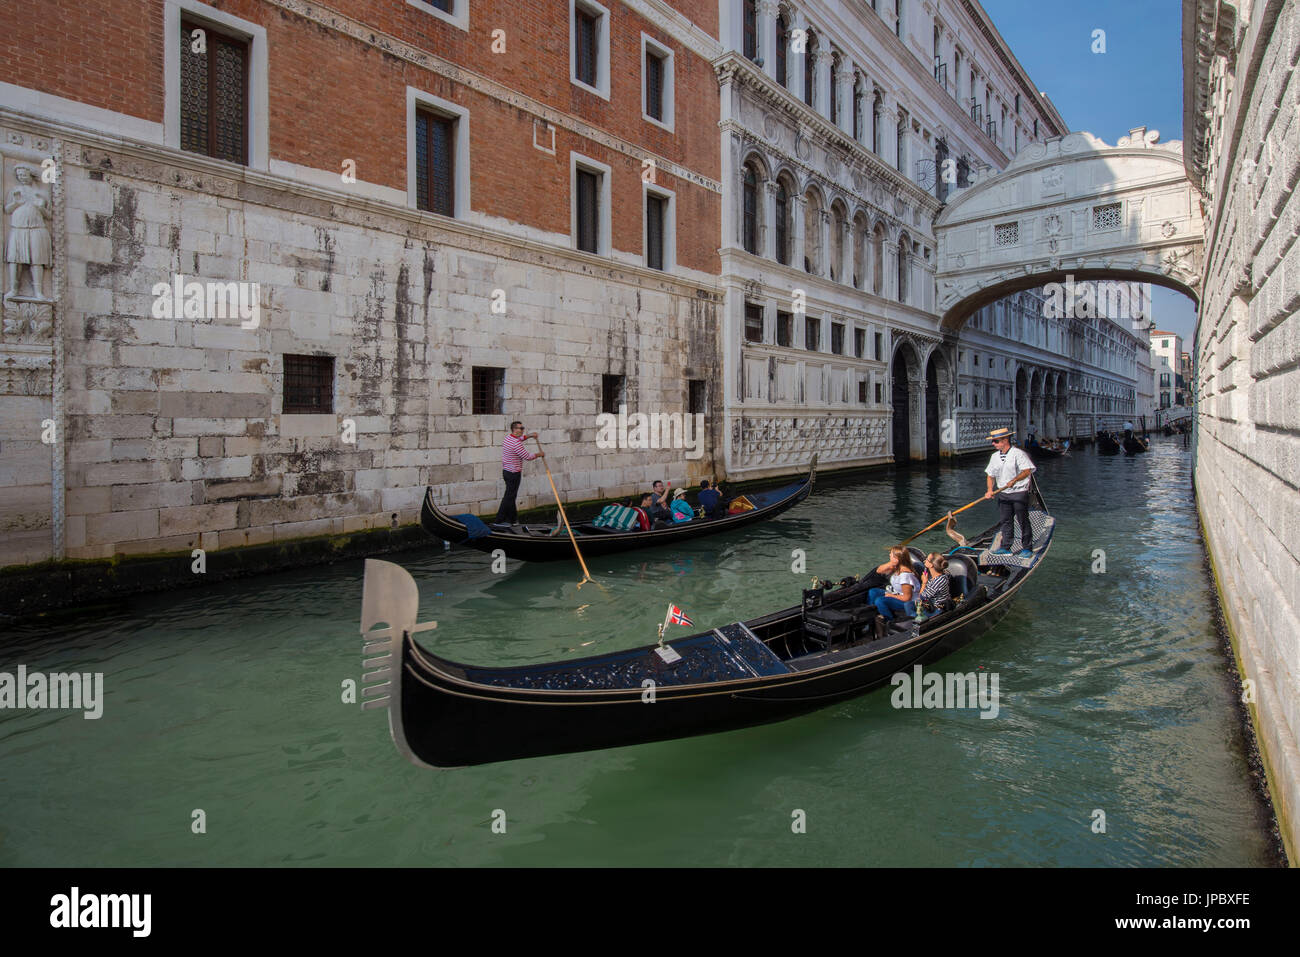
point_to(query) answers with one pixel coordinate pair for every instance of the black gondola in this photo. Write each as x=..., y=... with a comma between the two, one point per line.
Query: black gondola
x=1133, y=445
x=544, y=543
x=1106, y=444
x=779, y=665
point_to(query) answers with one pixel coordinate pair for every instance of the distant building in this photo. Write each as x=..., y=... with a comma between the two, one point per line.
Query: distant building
x=1166, y=351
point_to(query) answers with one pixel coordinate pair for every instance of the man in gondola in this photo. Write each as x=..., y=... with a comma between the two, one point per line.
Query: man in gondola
x=1011, y=467
x=513, y=456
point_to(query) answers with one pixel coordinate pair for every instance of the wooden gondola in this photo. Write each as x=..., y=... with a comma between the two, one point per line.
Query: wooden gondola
x=544, y=543
x=1134, y=446
x=789, y=662
x=1106, y=444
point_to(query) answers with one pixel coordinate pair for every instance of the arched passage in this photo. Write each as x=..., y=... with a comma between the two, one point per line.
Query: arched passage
x=905, y=398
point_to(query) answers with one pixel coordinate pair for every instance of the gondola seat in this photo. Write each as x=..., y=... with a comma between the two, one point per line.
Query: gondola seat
x=824, y=626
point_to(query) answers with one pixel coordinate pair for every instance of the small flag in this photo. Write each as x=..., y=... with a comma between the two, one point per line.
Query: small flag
x=678, y=617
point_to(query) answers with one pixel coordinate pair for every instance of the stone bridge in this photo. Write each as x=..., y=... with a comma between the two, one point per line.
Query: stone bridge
x=1071, y=206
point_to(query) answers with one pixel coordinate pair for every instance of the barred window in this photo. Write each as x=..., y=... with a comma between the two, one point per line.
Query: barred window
x=588, y=211
x=782, y=45
x=435, y=163
x=812, y=334
x=214, y=94
x=782, y=225
x=784, y=329
x=611, y=393
x=308, y=384
x=749, y=228
x=656, y=213
x=860, y=343
x=862, y=392
x=750, y=18
x=753, y=322
x=586, y=28
x=654, y=85
x=880, y=396
x=837, y=338
x=1006, y=234
x=487, y=385
x=1106, y=217
x=697, y=396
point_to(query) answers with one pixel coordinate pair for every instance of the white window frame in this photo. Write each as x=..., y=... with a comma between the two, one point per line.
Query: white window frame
x=603, y=241
x=650, y=45
x=670, y=225
x=601, y=88
x=416, y=98
x=258, y=84
x=459, y=16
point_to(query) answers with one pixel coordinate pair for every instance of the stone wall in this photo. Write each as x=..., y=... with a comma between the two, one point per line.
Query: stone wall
x=1243, y=91
x=175, y=434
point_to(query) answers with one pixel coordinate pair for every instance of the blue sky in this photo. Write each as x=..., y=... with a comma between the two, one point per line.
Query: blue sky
x=1138, y=81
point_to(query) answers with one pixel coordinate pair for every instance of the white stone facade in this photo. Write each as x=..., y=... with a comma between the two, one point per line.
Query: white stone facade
x=1241, y=114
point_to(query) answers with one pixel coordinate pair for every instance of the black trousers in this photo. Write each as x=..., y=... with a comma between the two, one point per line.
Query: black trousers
x=506, y=514
x=1013, y=505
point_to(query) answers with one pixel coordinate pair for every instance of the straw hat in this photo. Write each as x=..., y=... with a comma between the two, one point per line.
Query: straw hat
x=1000, y=434
x=680, y=493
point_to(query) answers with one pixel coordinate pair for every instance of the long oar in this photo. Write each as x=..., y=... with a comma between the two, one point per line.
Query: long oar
x=565, y=517
x=964, y=507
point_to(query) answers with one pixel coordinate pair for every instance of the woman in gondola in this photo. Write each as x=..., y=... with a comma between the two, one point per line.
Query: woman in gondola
x=899, y=601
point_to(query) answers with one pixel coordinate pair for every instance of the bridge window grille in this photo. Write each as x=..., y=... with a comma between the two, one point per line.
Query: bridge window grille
x=1106, y=217
x=1006, y=234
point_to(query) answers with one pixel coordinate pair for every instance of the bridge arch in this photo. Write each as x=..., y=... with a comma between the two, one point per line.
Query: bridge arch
x=1071, y=207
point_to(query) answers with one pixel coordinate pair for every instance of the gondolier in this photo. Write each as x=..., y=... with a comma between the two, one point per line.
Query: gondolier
x=513, y=456
x=1011, y=468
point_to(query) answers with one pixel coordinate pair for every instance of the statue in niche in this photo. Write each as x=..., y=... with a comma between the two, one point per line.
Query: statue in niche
x=29, y=242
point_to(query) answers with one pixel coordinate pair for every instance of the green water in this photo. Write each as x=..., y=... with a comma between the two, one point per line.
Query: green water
x=1114, y=696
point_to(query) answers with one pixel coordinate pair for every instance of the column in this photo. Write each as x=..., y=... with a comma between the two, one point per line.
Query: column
x=846, y=249
x=845, y=93
x=797, y=204
x=767, y=228
x=795, y=60
x=889, y=285
x=888, y=131
x=767, y=11
x=822, y=76
x=732, y=169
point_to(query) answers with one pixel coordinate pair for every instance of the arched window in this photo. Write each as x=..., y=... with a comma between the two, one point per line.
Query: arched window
x=810, y=69
x=782, y=224
x=750, y=28
x=782, y=50
x=878, y=260
x=749, y=226
x=904, y=248
x=875, y=124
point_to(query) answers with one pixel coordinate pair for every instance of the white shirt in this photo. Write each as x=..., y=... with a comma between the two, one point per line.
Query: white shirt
x=899, y=579
x=1006, y=466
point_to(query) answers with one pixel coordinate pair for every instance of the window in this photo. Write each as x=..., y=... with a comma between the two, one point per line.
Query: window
x=214, y=94
x=880, y=393
x=1006, y=234
x=749, y=227
x=1165, y=382
x=901, y=144
x=812, y=334
x=696, y=397
x=435, y=163
x=836, y=67
x=589, y=47
x=455, y=12
x=784, y=328
x=879, y=344
x=657, y=82
x=875, y=124
x=782, y=224
x=656, y=216
x=589, y=222
x=898, y=23
x=1164, y=344
x=809, y=69
x=308, y=384
x=860, y=343
x=1106, y=217
x=611, y=393
x=488, y=385
x=975, y=358
x=750, y=29
x=753, y=322
x=837, y=338
x=857, y=109
x=782, y=51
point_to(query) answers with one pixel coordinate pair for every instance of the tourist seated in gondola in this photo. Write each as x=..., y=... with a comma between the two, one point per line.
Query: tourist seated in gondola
x=898, y=601
x=711, y=501
x=660, y=509
x=643, y=511
x=936, y=587
x=618, y=517
x=682, y=510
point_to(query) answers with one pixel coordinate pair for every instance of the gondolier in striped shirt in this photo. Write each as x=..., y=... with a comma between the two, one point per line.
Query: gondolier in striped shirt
x=1011, y=468
x=513, y=455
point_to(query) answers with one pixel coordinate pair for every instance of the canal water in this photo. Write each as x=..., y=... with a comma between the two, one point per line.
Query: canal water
x=1117, y=740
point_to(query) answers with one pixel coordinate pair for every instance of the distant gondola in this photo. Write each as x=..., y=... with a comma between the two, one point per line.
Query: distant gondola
x=1134, y=446
x=1106, y=444
x=776, y=666
x=544, y=543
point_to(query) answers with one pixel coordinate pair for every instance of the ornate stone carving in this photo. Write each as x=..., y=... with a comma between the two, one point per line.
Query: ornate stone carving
x=791, y=439
x=29, y=248
x=771, y=129
x=1052, y=225
x=28, y=319
x=1053, y=178
x=832, y=166
x=1168, y=230
x=802, y=146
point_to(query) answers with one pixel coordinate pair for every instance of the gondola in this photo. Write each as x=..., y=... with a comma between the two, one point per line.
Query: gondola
x=1106, y=444
x=545, y=543
x=776, y=666
x=1043, y=452
x=1134, y=445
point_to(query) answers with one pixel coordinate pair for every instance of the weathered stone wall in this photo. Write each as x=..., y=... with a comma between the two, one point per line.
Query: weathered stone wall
x=175, y=435
x=1248, y=357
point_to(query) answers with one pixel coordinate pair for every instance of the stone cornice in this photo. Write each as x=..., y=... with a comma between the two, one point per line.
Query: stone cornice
x=391, y=45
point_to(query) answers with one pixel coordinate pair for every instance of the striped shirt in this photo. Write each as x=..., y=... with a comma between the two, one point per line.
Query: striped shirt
x=936, y=590
x=513, y=454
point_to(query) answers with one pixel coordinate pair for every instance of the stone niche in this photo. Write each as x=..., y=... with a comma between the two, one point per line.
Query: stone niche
x=27, y=243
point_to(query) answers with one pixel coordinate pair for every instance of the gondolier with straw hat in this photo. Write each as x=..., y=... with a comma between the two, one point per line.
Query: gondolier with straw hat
x=1011, y=468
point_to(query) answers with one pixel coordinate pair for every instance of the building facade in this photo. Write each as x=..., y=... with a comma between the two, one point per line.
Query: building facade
x=1240, y=116
x=403, y=225
x=1166, y=350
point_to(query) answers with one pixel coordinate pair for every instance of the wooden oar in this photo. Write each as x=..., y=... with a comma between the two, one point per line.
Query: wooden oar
x=565, y=517
x=1022, y=475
